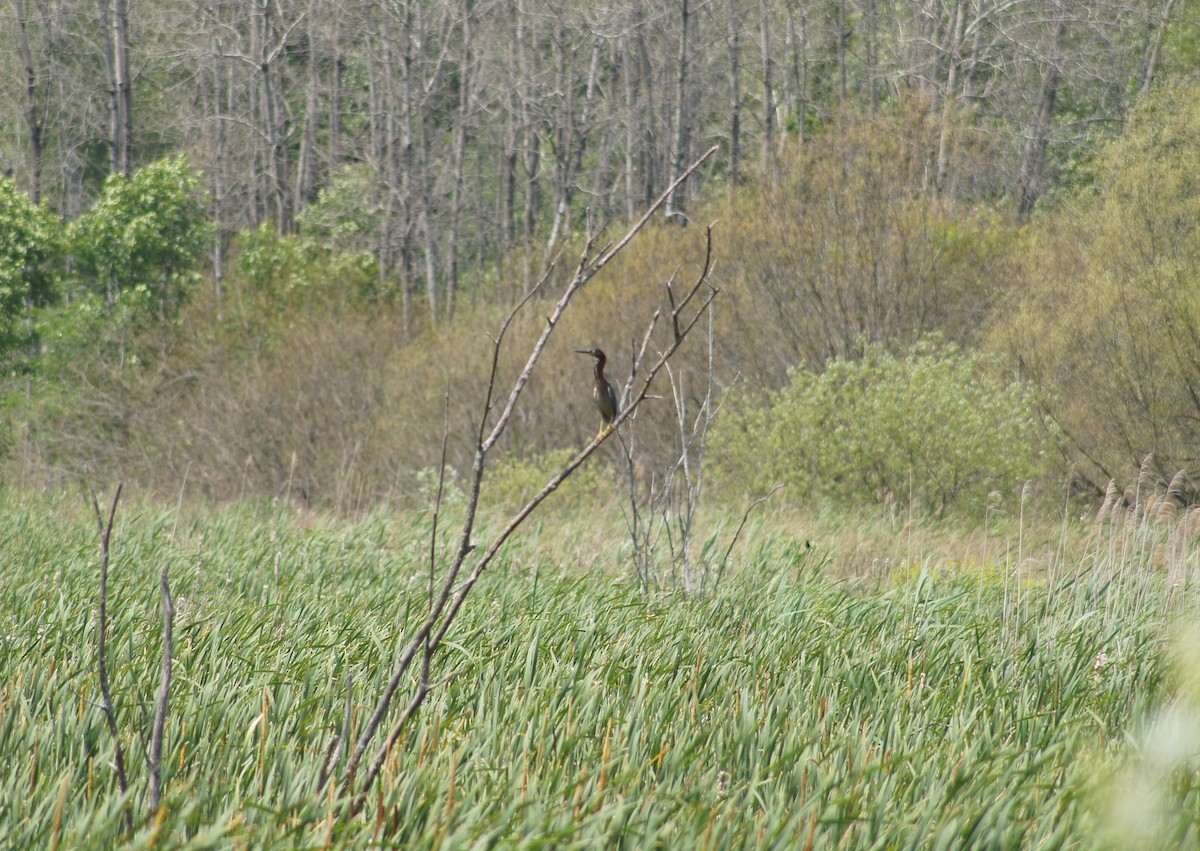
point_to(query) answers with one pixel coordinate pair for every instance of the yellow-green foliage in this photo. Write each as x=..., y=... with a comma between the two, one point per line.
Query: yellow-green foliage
x=515, y=481
x=854, y=243
x=1106, y=313
x=304, y=269
x=311, y=378
x=144, y=235
x=934, y=429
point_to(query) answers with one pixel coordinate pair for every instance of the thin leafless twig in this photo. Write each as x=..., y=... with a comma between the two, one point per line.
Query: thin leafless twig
x=338, y=746
x=444, y=609
x=110, y=713
x=437, y=511
x=669, y=506
x=742, y=525
x=164, y=692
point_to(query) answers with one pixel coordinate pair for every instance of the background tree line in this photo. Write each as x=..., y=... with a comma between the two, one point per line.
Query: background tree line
x=364, y=186
x=446, y=132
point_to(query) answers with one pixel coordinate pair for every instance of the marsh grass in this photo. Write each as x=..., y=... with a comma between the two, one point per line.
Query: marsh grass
x=936, y=704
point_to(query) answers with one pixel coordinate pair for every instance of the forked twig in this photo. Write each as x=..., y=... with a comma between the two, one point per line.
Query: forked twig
x=444, y=609
x=647, y=523
x=110, y=714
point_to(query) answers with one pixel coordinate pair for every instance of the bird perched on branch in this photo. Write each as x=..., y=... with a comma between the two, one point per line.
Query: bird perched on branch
x=602, y=392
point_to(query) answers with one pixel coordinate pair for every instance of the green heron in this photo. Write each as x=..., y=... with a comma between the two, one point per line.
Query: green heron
x=602, y=392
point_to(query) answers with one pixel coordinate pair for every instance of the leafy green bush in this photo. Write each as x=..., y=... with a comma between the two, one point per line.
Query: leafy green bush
x=305, y=268
x=934, y=427
x=267, y=261
x=514, y=481
x=30, y=245
x=144, y=235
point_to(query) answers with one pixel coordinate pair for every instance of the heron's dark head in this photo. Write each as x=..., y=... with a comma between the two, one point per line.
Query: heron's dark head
x=596, y=353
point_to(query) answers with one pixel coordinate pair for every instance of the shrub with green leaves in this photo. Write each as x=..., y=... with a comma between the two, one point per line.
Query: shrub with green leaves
x=934, y=428
x=267, y=261
x=144, y=235
x=30, y=244
x=305, y=268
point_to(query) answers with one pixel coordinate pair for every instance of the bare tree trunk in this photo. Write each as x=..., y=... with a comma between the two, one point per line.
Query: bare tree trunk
x=674, y=207
x=842, y=53
x=797, y=54
x=512, y=130
x=563, y=131
x=124, y=81
x=216, y=140
x=650, y=166
x=768, y=98
x=952, y=51
x=429, y=245
x=458, y=159
x=259, y=156
x=335, y=96
x=306, y=168
x=629, y=66
x=33, y=108
x=872, y=23
x=1154, y=49
x=405, y=163
x=112, y=79
x=1033, y=156
x=919, y=46
x=274, y=127
x=388, y=159
x=607, y=173
x=529, y=70
x=735, y=92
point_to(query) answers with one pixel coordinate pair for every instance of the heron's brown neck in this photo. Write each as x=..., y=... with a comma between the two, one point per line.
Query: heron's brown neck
x=600, y=369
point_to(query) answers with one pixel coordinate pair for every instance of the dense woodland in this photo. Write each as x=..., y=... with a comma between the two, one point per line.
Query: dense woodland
x=253, y=244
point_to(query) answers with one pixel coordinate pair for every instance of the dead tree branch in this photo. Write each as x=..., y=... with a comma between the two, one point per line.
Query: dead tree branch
x=445, y=608
x=164, y=692
x=669, y=506
x=110, y=714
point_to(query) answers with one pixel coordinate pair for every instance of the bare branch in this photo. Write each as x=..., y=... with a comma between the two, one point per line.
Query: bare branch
x=437, y=510
x=110, y=713
x=671, y=506
x=393, y=735
x=338, y=746
x=742, y=525
x=164, y=693
x=445, y=608
x=464, y=548
x=583, y=274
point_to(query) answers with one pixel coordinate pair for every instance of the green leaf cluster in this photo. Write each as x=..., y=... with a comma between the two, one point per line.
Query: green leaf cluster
x=934, y=429
x=30, y=251
x=306, y=268
x=333, y=258
x=147, y=231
